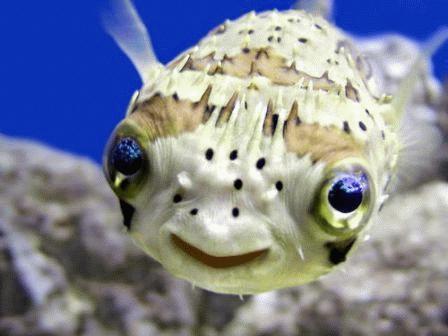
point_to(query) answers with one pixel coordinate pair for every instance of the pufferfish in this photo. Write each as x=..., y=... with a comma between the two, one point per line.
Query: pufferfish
x=257, y=159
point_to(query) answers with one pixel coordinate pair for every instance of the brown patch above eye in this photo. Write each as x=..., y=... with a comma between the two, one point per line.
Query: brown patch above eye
x=162, y=116
x=328, y=144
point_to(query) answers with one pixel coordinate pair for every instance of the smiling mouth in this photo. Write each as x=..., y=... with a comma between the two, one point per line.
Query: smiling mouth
x=213, y=261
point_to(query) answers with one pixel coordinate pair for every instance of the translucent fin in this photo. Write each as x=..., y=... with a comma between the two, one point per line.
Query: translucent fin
x=420, y=136
x=125, y=26
x=420, y=155
x=322, y=8
x=406, y=89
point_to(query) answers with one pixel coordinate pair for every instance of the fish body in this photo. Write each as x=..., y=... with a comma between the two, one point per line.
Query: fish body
x=258, y=158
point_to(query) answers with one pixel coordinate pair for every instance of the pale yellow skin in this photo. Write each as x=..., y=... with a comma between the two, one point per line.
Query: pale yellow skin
x=281, y=221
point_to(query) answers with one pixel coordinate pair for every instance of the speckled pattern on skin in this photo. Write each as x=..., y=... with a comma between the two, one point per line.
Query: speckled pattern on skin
x=244, y=135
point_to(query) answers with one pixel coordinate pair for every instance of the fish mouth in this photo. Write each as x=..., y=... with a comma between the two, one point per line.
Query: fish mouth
x=213, y=261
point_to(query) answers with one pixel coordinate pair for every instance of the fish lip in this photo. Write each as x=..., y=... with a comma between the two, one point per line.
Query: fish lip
x=214, y=261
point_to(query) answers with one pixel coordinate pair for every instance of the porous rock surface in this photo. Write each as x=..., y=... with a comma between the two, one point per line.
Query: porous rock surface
x=68, y=268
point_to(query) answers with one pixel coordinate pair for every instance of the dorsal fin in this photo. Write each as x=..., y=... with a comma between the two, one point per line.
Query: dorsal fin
x=407, y=85
x=125, y=26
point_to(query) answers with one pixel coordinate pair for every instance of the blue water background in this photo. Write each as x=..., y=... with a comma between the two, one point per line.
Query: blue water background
x=65, y=83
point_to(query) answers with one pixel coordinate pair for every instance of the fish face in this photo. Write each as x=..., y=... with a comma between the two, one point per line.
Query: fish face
x=255, y=160
x=235, y=211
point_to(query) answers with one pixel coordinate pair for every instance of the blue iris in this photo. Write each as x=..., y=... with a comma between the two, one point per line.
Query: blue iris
x=127, y=156
x=346, y=193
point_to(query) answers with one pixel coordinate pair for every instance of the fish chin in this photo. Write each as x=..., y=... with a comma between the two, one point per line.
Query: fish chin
x=260, y=271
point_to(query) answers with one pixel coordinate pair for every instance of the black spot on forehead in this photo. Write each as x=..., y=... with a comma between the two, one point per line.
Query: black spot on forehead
x=260, y=163
x=238, y=184
x=209, y=154
x=362, y=126
x=346, y=127
x=235, y=212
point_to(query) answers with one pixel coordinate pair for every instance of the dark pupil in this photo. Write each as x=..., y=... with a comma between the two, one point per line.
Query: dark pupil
x=345, y=194
x=127, y=156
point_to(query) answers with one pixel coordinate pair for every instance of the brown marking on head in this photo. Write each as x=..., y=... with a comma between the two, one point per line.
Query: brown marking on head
x=216, y=68
x=253, y=69
x=322, y=83
x=208, y=113
x=327, y=144
x=293, y=116
x=226, y=111
x=257, y=62
x=239, y=65
x=351, y=92
x=252, y=86
x=202, y=63
x=347, y=49
x=170, y=115
x=262, y=52
x=268, y=123
x=203, y=102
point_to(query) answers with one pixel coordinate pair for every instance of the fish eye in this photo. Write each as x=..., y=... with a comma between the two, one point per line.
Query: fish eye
x=126, y=163
x=343, y=204
x=127, y=156
x=346, y=193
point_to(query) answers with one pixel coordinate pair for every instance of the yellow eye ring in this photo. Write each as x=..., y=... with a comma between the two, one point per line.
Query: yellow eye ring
x=343, y=203
x=125, y=162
